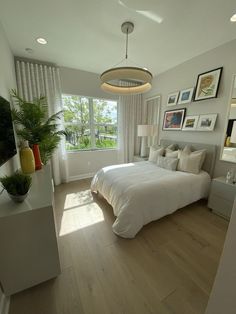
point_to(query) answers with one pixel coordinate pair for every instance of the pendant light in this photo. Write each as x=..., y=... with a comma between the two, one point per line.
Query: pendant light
x=139, y=78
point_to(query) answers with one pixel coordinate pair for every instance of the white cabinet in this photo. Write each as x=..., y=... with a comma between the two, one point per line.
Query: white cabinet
x=28, y=242
x=221, y=197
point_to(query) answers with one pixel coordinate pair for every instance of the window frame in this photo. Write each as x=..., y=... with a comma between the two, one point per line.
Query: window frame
x=92, y=125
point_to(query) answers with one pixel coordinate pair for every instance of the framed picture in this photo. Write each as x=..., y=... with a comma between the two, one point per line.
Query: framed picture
x=208, y=84
x=173, y=119
x=185, y=96
x=172, y=99
x=206, y=122
x=190, y=123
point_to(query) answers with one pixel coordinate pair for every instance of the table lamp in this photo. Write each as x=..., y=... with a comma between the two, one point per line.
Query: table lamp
x=145, y=130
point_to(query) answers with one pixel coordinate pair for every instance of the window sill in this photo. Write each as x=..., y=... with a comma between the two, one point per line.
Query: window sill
x=91, y=150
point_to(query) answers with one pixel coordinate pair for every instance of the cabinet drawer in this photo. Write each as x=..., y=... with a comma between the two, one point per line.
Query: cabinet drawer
x=221, y=206
x=224, y=190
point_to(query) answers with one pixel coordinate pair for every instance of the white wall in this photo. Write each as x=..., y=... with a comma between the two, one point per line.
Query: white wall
x=184, y=76
x=7, y=81
x=85, y=163
x=222, y=298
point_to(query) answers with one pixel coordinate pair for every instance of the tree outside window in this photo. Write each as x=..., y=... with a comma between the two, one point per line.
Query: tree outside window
x=90, y=123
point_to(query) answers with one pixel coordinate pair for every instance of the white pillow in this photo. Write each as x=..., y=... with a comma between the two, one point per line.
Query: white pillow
x=191, y=161
x=171, y=153
x=154, y=153
x=169, y=163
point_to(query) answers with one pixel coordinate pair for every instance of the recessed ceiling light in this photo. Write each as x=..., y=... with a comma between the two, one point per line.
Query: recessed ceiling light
x=41, y=41
x=233, y=18
x=29, y=50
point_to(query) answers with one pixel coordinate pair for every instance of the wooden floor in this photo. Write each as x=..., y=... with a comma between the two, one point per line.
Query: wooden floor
x=168, y=268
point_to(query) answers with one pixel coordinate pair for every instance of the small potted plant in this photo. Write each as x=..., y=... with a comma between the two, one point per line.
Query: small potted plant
x=17, y=185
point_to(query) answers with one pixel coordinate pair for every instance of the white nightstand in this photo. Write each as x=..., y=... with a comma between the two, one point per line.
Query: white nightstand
x=139, y=158
x=221, y=197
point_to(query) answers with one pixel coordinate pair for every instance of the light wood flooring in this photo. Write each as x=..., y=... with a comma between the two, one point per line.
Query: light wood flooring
x=169, y=268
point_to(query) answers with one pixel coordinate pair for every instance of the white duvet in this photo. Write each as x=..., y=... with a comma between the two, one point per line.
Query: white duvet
x=142, y=192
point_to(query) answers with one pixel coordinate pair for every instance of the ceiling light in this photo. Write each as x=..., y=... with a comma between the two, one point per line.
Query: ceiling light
x=139, y=78
x=41, y=41
x=233, y=18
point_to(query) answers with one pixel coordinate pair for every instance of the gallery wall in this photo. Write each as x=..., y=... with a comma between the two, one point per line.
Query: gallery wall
x=185, y=76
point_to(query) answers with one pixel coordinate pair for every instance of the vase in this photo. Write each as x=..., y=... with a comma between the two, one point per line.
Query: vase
x=27, y=159
x=18, y=198
x=37, y=158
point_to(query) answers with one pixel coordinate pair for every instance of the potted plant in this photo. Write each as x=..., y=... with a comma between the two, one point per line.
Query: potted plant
x=17, y=185
x=34, y=125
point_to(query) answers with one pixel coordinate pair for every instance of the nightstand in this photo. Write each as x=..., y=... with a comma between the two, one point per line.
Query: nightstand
x=221, y=197
x=139, y=158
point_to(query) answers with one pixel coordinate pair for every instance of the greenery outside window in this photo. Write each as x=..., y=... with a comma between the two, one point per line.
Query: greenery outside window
x=90, y=123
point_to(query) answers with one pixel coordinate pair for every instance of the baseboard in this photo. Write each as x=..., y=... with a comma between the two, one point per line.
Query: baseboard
x=4, y=304
x=81, y=176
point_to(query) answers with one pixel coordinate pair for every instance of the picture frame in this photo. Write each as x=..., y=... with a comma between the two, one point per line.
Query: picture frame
x=190, y=123
x=207, y=85
x=173, y=119
x=185, y=96
x=172, y=99
x=206, y=122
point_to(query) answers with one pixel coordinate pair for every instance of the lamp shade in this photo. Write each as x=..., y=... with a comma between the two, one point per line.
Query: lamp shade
x=233, y=134
x=147, y=130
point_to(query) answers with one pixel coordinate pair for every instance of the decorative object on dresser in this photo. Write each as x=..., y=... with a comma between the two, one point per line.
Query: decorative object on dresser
x=173, y=119
x=221, y=197
x=185, y=96
x=144, y=131
x=28, y=237
x=207, y=122
x=190, y=123
x=17, y=185
x=172, y=99
x=27, y=160
x=36, y=127
x=208, y=84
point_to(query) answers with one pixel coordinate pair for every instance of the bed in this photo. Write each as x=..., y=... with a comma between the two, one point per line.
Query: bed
x=142, y=192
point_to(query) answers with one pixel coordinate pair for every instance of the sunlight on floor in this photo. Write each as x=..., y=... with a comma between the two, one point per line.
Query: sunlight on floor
x=80, y=211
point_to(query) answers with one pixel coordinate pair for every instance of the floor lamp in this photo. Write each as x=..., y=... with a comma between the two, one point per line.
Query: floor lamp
x=145, y=130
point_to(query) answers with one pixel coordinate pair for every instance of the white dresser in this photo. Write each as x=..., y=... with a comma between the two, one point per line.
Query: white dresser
x=28, y=242
x=221, y=197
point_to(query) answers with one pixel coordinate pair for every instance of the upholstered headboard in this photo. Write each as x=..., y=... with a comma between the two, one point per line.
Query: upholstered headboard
x=209, y=162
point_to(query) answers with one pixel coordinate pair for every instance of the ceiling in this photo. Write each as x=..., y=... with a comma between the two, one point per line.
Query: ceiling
x=86, y=34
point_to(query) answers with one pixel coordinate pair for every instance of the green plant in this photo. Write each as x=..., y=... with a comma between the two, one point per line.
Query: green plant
x=17, y=183
x=34, y=125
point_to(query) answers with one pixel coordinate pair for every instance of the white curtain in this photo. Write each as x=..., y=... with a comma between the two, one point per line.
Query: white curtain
x=153, y=117
x=35, y=80
x=130, y=114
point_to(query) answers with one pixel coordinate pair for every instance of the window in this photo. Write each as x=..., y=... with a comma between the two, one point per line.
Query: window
x=90, y=123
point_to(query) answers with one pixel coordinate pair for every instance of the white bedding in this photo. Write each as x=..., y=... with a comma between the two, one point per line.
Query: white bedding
x=142, y=192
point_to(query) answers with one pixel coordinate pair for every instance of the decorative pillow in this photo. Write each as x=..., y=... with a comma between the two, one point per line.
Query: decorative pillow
x=191, y=161
x=169, y=163
x=171, y=153
x=154, y=153
x=171, y=147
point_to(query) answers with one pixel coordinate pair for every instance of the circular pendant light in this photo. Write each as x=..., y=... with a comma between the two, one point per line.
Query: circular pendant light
x=139, y=79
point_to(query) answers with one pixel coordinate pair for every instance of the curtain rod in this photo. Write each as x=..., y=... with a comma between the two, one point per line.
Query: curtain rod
x=35, y=61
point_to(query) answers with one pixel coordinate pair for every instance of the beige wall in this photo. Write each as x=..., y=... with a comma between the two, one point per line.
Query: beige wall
x=86, y=163
x=184, y=76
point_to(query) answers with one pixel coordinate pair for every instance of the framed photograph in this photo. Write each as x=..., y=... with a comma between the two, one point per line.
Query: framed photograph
x=190, y=123
x=172, y=99
x=173, y=119
x=185, y=96
x=208, y=84
x=207, y=122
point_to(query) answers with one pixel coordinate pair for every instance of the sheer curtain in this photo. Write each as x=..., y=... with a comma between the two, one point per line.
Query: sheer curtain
x=153, y=117
x=36, y=79
x=130, y=114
